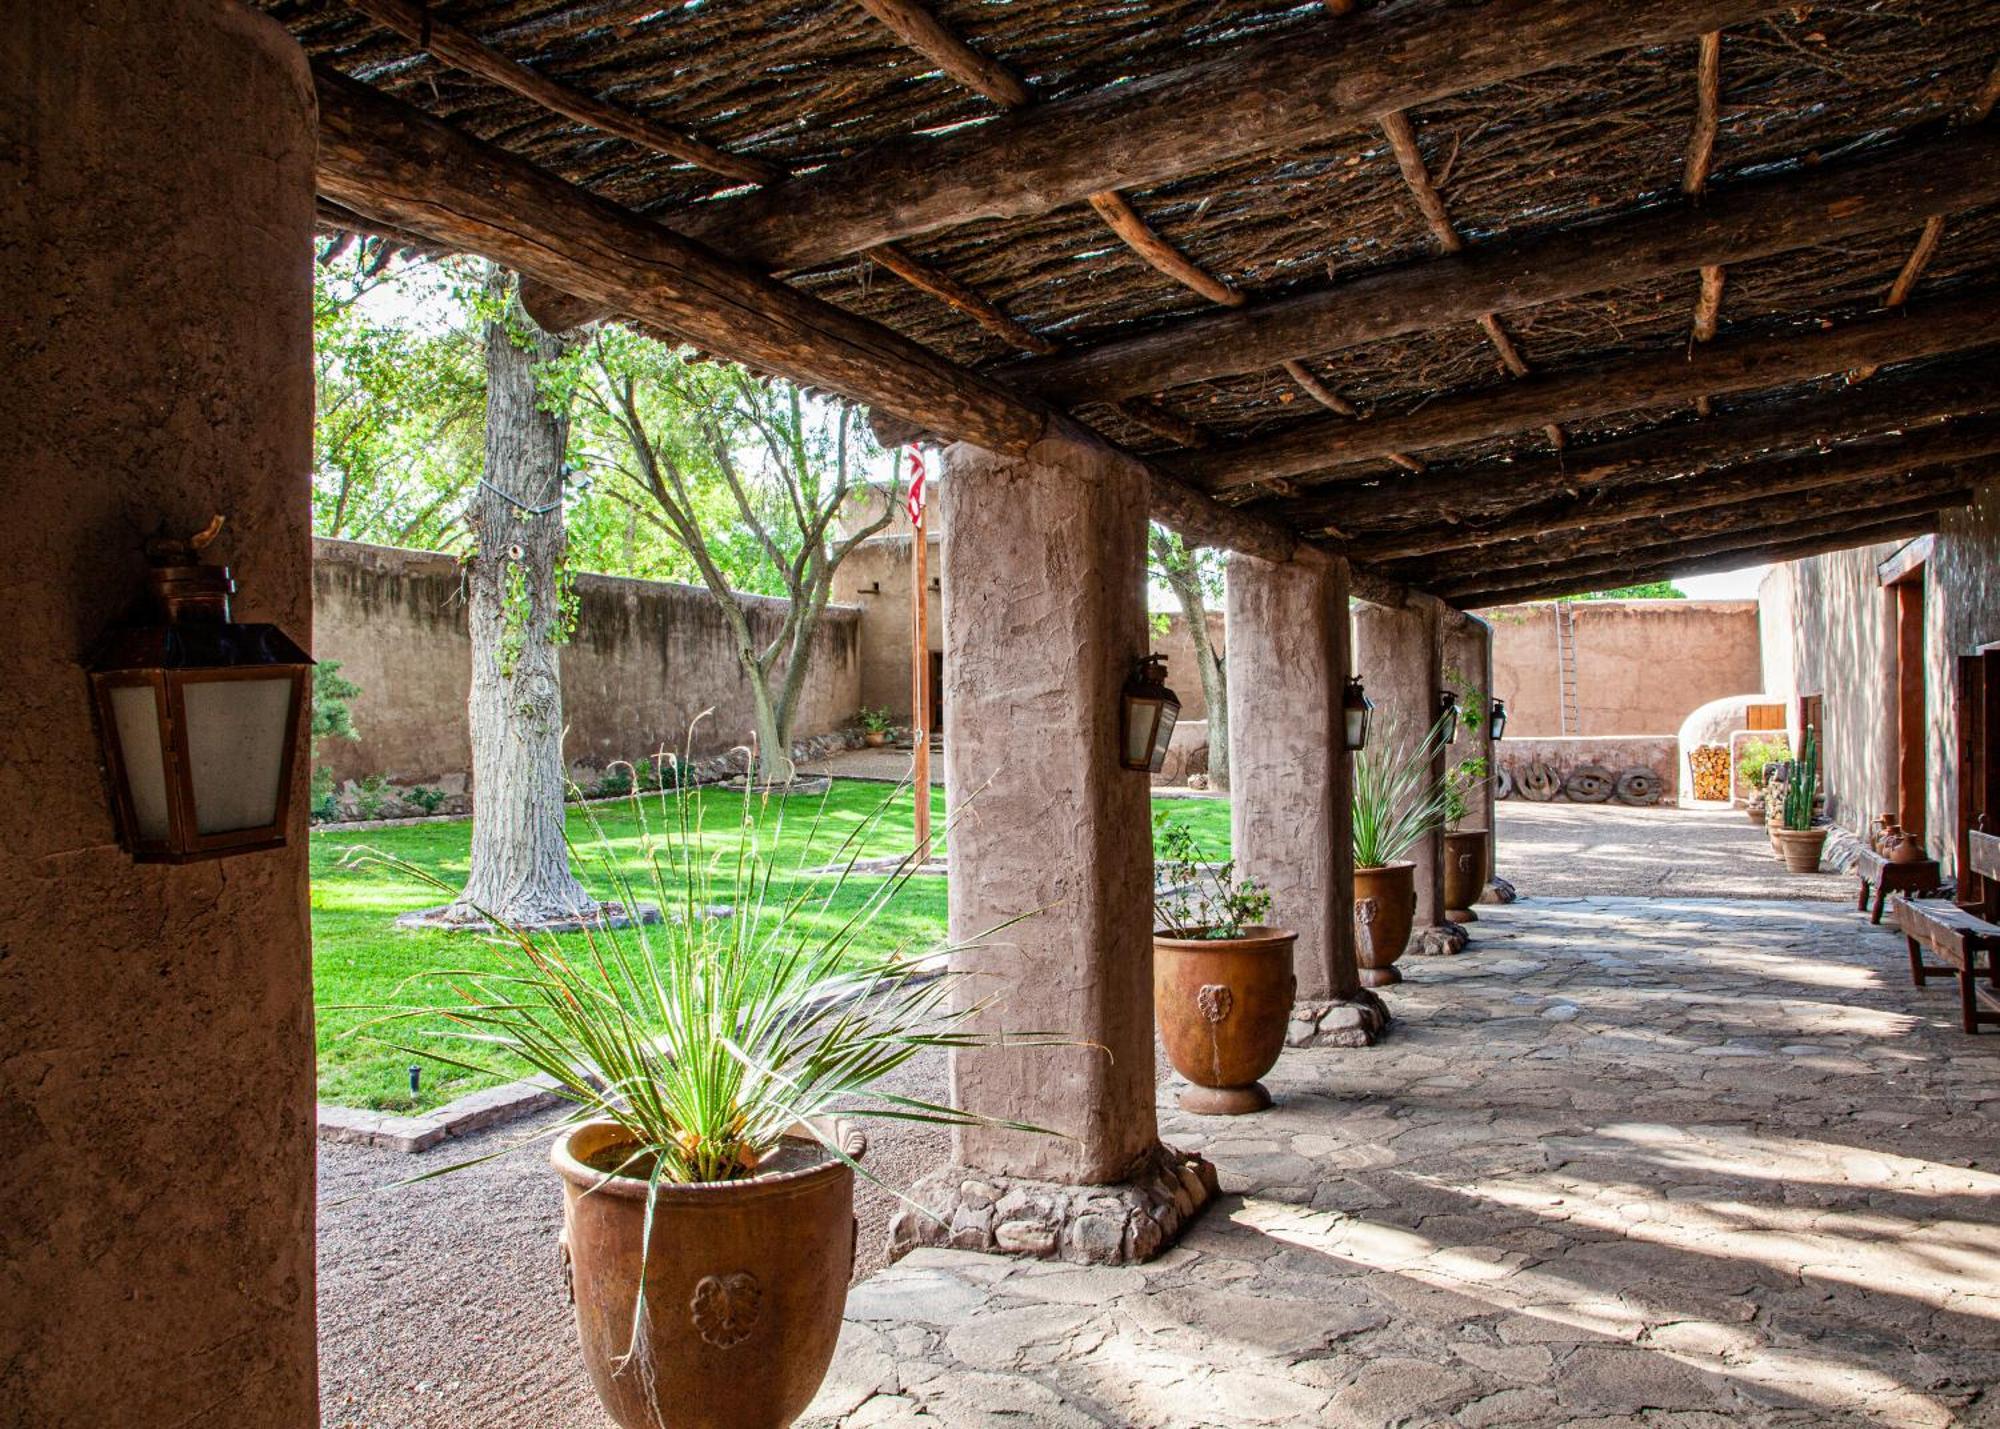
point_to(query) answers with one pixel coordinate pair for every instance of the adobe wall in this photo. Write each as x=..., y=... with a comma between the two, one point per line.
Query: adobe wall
x=1838, y=641
x=646, y=658
x=875, y=580
x=1642, y=665
x=156, y=1092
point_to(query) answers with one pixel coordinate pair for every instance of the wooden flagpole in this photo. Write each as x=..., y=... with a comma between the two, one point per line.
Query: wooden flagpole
x=920, y=673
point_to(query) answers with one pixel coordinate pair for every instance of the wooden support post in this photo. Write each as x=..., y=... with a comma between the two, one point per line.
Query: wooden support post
x=920, y=678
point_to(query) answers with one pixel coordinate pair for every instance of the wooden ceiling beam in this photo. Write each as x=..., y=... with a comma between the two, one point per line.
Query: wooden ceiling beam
x=388, y=161
x=1331, y=448
x=1765, y=480
x=1492, y=489
x=1803, y=208
x=1296, y=87
x=1701, y=558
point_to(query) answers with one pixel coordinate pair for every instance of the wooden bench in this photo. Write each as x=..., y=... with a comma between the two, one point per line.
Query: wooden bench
x=1969, y=946
x=1888, y=876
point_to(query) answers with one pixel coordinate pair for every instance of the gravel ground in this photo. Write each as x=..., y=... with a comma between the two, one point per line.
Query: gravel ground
x=1615, y=851
x=440, y=1303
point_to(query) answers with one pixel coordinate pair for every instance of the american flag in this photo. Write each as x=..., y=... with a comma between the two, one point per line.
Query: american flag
x=916, y=501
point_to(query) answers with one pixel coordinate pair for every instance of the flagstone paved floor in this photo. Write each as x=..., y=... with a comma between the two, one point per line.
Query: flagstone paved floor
x=1665, y=1161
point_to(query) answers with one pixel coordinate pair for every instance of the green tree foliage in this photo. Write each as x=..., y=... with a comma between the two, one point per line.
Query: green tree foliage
x=1651, y=590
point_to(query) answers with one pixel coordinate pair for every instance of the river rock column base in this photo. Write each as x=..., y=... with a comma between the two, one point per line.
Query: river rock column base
x=1498, y=890
x=1444, y=941
x=963, y=1208
x=1358, y=1021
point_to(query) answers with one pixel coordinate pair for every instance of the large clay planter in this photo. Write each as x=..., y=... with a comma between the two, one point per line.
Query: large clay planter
x=1801, y=849
x=745, y=1285
x=1464, y=873
x=1385, y=907
x=1223, y=1005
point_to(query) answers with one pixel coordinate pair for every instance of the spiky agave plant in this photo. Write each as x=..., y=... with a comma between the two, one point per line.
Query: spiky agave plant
x=755, y=1005
x=1398, y=794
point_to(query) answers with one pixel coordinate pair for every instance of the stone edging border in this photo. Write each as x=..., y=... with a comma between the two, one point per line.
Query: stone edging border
x=474, y=1111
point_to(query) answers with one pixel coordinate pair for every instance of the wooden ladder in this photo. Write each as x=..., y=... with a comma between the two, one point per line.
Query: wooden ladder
x=1572, y=719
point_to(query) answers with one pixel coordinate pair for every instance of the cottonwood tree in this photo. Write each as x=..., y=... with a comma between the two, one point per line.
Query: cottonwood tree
x=750, y=479
x=1194, y=575
x=516, y=603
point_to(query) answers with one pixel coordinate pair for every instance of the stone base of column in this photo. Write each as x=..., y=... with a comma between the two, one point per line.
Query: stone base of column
x=964, y=1208
x=1444, y=941
x=1498, y=890
x=1357, y=1021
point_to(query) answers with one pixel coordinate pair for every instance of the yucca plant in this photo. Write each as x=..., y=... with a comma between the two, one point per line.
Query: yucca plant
x=752, y=1007
x=1802, y=792
x=1398, y=794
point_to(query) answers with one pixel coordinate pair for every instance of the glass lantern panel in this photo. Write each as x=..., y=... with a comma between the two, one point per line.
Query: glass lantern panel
x=135, y=709
x=236, y=732
x=1357, y=729
x=1140, y=717
x=1169, y=716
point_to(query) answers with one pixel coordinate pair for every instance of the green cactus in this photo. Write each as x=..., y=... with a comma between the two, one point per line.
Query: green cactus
x=1802, y=793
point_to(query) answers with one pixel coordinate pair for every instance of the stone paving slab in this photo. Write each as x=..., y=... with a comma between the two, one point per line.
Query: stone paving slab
x=1668, y=1161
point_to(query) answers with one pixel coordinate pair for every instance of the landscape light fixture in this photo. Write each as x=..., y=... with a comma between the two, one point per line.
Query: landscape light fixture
x=1448, y=714
x=200, y=718
x=1357, y=707
x=1496, y=718
x=1150, y=710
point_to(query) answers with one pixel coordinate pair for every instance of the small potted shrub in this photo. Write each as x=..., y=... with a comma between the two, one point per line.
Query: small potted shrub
x=708, y=1221
x=1798, y=841
x=1464, y=849
x=1752, y=765
x=1222, y=979
x=1397, y=800
x=875, y=727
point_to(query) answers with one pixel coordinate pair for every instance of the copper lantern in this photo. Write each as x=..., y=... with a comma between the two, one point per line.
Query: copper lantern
x=1150, y=710
x=201, y=718
x=1448, y=714
x=1356, y=707
x=1497, y=718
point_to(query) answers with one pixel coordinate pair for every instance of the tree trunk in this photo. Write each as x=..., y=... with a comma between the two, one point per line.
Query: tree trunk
x=1178, y=569
x=520, y=862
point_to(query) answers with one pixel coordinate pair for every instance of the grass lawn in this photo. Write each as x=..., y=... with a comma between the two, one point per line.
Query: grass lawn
x=360, y=958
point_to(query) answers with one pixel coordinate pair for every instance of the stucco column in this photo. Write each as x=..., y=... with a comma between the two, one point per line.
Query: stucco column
x=1044, y=582
x=1291, y=784
x=1468, y=655
x=1397, y=652
x=156, y=1091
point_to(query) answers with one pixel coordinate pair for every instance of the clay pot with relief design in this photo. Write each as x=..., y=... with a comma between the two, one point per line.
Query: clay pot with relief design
x=1464, y=873
x=1385, y=909
x=1223, y=1005
x=745, y=1282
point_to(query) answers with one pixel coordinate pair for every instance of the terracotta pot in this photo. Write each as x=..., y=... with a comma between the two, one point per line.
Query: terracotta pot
x=875, y=738
x=1464, y=873
x=1878, y=837
x=1801, y=848
x=1755, y=809
x=1223, y=1005
x=745, y=1285
x=1385, y=906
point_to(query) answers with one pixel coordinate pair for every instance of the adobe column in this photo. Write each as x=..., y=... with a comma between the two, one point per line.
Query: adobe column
x=1044, y=580
x=1396, y=651
x=1468, y=662
x=1291, y=783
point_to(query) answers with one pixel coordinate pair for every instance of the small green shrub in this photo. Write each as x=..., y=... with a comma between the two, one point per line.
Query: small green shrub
x=1204, y=899
x=372, y=796
x=425, y=798
x=331, y=719
x=1757, y=757
x=875, y=721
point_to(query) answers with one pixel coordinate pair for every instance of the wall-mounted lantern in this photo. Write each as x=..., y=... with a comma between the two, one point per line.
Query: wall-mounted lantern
x=1150, y=710
x=1448, y=714
x=1357, y=707
x=200, y=717
x=1497, y=718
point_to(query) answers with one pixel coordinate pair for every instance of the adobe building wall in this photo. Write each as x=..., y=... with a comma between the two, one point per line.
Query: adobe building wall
x=1642, y=665
x=875, y=580
x=646, y=658
x=1837, y=639
x=1182, y=673
x=156, y=1091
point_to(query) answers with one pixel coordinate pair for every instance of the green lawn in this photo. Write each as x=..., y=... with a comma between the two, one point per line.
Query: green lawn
x=360, y=958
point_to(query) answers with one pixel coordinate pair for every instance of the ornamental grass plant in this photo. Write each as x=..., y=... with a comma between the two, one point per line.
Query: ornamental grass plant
x=1399, y=796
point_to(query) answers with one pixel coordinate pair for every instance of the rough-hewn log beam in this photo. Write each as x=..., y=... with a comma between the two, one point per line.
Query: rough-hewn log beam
x=1754, y=549
x=1764, y=480
x=1309, y=82
x=1738, y=514
x=1467, y=493
x=389, y=161
x=1329, y=445
x=1893, y=187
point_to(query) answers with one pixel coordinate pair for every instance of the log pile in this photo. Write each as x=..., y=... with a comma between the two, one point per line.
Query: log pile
x=1710, y=763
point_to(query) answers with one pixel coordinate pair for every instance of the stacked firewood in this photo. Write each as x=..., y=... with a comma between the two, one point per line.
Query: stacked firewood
x=1710, y=763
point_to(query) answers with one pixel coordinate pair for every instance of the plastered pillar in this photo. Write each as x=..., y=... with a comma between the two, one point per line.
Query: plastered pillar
x=1468, y=654
x=1044, y=579
x=156, y=1083
x=1397, y=653
x=1291, y=785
